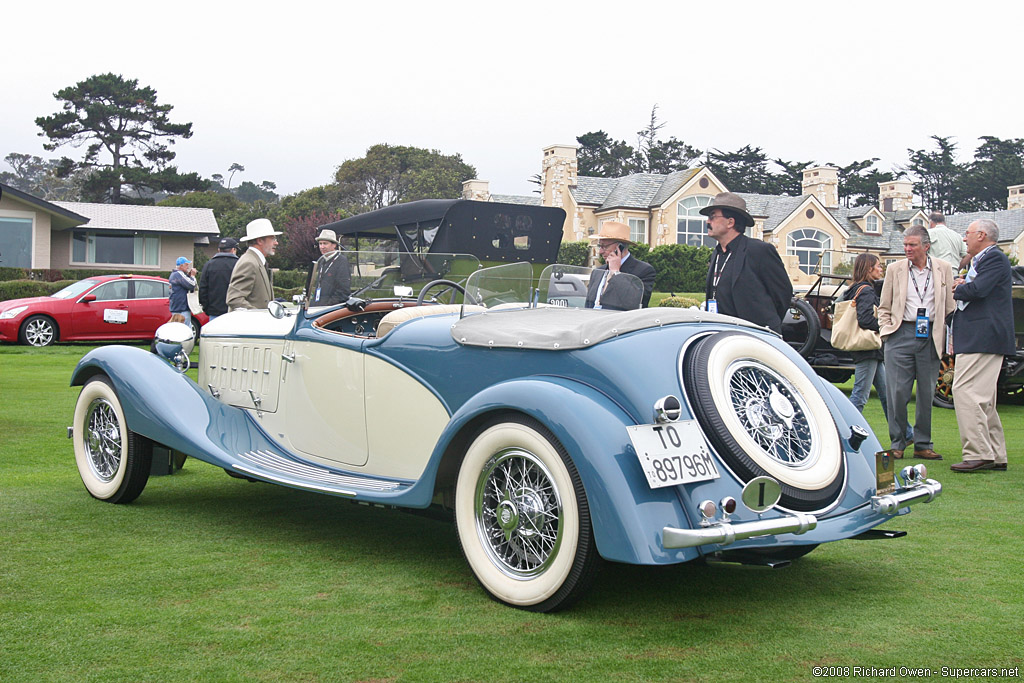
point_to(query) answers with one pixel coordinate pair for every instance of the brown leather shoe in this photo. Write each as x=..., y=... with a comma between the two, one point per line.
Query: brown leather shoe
x=927, y=454
x=973, y=466
x=896, y=453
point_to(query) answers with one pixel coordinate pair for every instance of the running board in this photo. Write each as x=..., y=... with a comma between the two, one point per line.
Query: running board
x=279, y=469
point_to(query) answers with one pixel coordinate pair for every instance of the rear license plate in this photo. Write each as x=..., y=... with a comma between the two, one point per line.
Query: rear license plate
x=673, y=453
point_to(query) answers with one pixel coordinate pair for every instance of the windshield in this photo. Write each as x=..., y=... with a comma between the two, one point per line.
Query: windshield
x=374, y=274
x=73, y=290
x=558, y=285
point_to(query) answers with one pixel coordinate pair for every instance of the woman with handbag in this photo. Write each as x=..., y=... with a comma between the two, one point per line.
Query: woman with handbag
x=868, y=365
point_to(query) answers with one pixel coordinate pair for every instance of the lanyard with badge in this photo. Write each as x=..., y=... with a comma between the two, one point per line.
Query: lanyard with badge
x=712, y=303
x=922, y=328
x=320, y=277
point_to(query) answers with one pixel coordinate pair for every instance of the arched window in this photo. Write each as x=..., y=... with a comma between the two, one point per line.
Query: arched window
x=691, y=226
x=809, y=245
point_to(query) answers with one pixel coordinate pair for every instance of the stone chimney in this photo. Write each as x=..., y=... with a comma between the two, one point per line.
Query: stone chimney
x=896, y=195
x=1015, y=197
x=558, y=172
x=823, y=183
x=476, y=189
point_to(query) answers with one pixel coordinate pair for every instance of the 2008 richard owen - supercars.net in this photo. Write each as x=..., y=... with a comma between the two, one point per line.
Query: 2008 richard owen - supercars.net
x=555, y=436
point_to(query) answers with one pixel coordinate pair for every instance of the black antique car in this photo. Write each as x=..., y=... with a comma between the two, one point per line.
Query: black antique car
x=438, y=241
x=808, y=329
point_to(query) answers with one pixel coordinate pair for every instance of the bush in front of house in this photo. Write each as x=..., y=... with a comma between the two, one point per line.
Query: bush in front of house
x=679, y=302
x=23, y=289
x=679, y=267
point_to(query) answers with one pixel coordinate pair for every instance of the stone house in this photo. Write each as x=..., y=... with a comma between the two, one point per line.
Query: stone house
x=812, y=232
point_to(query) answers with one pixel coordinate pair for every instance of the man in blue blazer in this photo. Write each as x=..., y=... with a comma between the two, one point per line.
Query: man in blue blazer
x=746, y=278
x=982, y=335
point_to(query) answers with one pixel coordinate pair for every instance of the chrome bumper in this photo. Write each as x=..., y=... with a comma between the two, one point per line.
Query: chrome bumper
x=724, y=534
x=889, y=504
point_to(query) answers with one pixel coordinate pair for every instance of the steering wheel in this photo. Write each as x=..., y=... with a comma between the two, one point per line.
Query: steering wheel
x=442, y=283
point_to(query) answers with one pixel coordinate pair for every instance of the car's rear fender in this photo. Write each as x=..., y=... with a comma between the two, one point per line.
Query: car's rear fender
x=627, y=514
x=169, y=408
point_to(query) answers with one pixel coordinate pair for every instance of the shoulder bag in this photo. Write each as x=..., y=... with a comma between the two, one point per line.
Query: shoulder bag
x=847, y=334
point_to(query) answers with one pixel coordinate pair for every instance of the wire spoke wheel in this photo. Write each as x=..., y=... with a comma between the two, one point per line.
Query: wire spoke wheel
x=518, y=513
x=764, y=417
x=522, y=516
x=102, y=439
x=113, y=461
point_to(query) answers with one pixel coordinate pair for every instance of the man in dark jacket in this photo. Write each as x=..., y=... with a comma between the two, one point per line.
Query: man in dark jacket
x=982, y=335
x=613, y=244
x=213, y=283
x=333, y=282
x=746, y=278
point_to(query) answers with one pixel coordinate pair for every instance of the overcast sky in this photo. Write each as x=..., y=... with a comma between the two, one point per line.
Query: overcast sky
x=291, y=90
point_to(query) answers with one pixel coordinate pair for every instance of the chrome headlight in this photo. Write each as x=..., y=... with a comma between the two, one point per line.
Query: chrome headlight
x=174, y=341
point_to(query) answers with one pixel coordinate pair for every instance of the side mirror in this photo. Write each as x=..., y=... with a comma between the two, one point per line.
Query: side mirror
x=88, y=298
x=276, y=309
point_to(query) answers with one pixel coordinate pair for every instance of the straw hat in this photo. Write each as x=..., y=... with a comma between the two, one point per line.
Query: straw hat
x=613, y=230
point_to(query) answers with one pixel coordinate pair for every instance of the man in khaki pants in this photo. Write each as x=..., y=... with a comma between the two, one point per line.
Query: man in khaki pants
x=982, y=335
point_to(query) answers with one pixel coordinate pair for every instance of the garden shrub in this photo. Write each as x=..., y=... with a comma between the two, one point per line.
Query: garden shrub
x=679, y=302
x=679, y=267
x=574, y=253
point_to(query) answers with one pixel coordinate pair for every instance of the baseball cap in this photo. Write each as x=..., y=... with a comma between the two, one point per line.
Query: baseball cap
x=228, y=243
x=182, y=260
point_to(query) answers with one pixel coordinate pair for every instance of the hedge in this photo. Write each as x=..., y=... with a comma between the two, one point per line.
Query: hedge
x=22, y=289
x=679, y=267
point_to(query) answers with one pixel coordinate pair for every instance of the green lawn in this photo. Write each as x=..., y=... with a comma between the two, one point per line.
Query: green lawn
x=206, y=577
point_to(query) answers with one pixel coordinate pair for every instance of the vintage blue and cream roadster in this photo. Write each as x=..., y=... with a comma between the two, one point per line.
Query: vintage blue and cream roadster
x=553, y=434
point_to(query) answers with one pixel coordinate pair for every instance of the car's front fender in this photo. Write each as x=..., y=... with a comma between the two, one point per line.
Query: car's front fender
x=163, y=405
x=627, y=515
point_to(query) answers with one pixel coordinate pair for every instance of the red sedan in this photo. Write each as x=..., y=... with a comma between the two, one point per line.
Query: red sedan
x=95, y=309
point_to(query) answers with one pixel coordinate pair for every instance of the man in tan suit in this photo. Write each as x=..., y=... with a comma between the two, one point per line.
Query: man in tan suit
x=917, y=295
x=251, y=283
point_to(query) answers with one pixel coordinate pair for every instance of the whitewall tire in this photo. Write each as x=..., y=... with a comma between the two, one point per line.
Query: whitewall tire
x=113, y=461
x=764, y=416
x=522, y=517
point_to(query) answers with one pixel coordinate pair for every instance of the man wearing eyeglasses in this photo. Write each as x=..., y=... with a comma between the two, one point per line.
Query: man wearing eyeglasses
x=746, y=277
x=613, y=245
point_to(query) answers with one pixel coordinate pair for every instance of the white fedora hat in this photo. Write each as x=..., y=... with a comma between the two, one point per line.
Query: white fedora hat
x=327, y=236
x=258, y=228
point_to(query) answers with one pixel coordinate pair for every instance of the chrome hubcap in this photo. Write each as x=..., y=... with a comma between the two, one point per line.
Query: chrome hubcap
x=102, y=439
x=772, y=413
x=518, y=513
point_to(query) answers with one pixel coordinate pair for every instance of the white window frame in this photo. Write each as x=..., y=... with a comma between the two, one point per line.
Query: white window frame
x=31, y=217
x=824, y=248
x=90, y=248
x=872, y=224
x=637, y=230
x=688, y=214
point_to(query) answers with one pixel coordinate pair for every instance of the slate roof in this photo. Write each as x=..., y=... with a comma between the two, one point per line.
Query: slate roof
x=636, y=191
x=1010, y=222
x=145, y=218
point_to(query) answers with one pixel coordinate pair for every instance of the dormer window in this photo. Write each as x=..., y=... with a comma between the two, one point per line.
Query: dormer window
x=871, y=224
